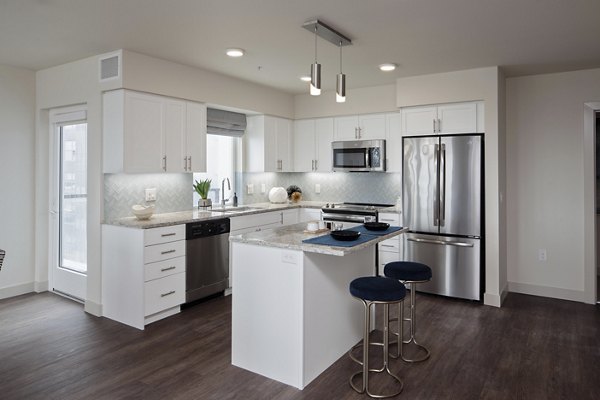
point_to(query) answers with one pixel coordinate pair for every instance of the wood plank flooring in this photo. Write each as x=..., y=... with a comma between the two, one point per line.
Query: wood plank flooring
x=532, y=348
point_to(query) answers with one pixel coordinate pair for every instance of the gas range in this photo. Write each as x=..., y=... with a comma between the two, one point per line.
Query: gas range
x=352, y=212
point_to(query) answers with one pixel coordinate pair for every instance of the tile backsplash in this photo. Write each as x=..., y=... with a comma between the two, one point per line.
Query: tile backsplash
x=121, y=191
x=175, y=193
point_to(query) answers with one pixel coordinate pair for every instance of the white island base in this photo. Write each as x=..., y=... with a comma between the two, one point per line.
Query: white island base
x=293, y=315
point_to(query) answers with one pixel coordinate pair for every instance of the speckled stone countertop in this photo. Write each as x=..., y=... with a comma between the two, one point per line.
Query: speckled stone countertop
x=291, y=236
x=183, y=217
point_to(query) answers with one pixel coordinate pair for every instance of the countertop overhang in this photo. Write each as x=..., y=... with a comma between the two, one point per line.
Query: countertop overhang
x=290, y=237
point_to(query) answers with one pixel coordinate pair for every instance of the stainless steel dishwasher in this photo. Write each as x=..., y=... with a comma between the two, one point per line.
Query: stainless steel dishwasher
x=207, y=258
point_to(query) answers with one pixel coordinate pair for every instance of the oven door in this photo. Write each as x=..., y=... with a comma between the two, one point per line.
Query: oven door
x=350, y=159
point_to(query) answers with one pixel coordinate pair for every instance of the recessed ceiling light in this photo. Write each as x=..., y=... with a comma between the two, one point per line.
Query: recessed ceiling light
x=305, y=78
x=387, y=67
x=235, y=52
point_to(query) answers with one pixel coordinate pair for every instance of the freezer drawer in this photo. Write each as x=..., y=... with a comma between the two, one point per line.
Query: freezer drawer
x=455, y=264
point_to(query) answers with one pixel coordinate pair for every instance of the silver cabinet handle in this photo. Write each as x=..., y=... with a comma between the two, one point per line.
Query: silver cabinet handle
x=185, y=163
x=167, y=294
x=442, y=242
x=316, y=165
x=164, y=162
x=167, y=269
x=355, y=133
x=434, y=131
x=387, y=220
x=190, y=163
x=168, y=234
x=387, y=245
x=312, y=165
x=439, y=125
x=359, y=132
x=167, y=252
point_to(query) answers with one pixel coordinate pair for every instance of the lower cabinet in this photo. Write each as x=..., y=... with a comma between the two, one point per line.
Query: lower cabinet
x=389, y=250
x=143, y=273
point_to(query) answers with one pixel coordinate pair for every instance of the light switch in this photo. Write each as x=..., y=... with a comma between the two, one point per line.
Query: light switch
x=250, y=188
x=151, y=194
x=317, y=188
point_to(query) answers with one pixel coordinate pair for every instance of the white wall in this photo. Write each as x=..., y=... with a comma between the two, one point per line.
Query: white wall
x=545, y=173
x=144, y=73
x=358, y=101
x=17, y=132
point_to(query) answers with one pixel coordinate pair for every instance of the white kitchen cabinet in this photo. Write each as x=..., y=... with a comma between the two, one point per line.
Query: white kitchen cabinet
x=310, y=214
x=146, y=133
x=393, y=142
x=390, y=250
x=268, y=144
x=312, y=145
x=143, y=273
x=442, y=119
x=360, y=127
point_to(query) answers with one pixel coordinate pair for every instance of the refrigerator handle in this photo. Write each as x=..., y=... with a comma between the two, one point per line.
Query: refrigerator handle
x=446, y=243
x=436, y=196
x=443, y=185
x=368, y=158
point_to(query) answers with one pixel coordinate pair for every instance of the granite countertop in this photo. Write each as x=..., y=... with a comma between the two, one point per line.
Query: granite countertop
x=291, y=236
x=183, y=217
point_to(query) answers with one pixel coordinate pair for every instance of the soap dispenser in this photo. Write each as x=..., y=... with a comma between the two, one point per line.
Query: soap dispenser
x=235, y=200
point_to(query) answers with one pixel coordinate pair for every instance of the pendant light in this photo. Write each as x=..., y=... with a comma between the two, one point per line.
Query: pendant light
x=315, y=72
x=340, y=87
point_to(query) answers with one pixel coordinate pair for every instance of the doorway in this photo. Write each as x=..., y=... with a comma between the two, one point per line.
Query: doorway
x=68, y=203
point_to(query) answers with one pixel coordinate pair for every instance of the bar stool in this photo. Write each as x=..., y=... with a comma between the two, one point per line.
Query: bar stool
x=376, y=290
x=410, y=273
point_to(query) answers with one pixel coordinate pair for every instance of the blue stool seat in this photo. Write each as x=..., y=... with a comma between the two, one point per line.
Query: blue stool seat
x=407, y=271
x=377, y=288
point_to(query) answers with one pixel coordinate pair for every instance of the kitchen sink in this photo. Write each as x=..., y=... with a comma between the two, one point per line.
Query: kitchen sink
x=232, y=210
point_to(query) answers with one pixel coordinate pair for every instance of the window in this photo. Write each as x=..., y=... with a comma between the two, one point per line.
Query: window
x=220, y=164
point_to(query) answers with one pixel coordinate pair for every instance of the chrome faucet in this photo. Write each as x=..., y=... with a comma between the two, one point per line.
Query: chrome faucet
x=223, y=199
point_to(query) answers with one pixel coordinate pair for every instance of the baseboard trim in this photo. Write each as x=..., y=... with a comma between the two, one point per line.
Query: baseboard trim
x=93, y=308
x=16, y=290
x=547, y=291
x=493, y=300
x=40, y=286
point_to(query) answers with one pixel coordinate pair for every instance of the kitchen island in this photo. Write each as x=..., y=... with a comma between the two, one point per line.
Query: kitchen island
x=292, y=314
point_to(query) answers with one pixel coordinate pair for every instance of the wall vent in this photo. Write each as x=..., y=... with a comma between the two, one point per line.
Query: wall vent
x=110, y=67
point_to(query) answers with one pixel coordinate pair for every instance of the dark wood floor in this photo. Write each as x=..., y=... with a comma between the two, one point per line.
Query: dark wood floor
x=532, y=348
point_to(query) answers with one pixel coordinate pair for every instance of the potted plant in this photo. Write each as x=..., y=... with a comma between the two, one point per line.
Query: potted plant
x=202, y=189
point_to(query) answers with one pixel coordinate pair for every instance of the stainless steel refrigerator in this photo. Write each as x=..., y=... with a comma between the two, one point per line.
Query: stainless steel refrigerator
x=442, y=206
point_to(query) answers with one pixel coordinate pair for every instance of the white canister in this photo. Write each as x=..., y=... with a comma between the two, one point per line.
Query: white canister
x=278, y=195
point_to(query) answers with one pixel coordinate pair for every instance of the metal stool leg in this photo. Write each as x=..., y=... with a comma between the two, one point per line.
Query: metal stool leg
x=413, y=327
x=366, y=344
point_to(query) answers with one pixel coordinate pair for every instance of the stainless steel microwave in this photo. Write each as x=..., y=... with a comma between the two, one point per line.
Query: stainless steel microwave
x=359, y=155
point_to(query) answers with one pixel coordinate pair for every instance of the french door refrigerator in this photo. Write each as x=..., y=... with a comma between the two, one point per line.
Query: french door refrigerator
x=443, y=200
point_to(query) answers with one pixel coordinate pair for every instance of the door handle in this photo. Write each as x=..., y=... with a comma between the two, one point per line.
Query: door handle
x=442, y=242
x=443, y=186
x=185, y=163
x=436, y=195
x=164, y=162
x=168, y=293
x=316, y=165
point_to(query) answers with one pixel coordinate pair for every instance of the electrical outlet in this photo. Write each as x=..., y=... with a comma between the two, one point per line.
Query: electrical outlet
x=263, y=188
x=250, y=188
x=542, y=256
x=151, y=194
x=317, y=188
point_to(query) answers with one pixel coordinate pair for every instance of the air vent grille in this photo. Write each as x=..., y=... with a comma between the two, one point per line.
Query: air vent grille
x=109, y=68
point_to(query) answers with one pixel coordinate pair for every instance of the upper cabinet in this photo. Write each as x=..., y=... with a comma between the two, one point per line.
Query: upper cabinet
x=312, y=145
x=145, y=133
x=360, y=127
x=443, y=119
x=268, y=144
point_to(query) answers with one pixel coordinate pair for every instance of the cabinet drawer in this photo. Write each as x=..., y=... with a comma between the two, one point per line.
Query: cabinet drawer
x=387, y=257
x=164, y=268
x=391, y=245
x=164, y=234
x=249, y=221
x=164, y=251
x=164, y=293
x=391, y=218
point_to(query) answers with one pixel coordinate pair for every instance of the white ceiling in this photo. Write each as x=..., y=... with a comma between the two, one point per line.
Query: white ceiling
x=421, y=36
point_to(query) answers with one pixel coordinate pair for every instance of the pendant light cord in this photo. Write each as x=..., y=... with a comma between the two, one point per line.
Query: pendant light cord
x=315, y=43
x=340, y=56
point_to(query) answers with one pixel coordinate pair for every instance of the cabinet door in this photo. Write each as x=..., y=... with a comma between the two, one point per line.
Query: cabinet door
x=418, y=121
x=323, y=139
x=393, y=143
x=175, y=135
x=371, y=126
x=457, y=118
x=196, y=137
x=144, y=129
x=304, y=145
x=346, y=128
x=284, y=145
x=271, y=156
